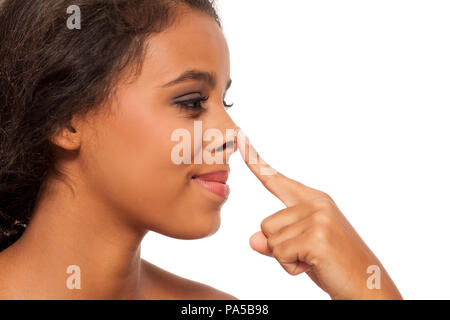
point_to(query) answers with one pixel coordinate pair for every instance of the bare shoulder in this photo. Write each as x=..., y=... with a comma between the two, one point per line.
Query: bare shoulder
x=161, y=284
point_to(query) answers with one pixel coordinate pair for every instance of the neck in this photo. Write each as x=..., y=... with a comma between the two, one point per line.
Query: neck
x=68, y=229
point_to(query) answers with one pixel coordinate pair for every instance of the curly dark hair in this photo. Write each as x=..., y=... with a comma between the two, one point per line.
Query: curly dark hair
x=49, y=72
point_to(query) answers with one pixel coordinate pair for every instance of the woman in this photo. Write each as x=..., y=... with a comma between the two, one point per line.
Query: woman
x=88, y=116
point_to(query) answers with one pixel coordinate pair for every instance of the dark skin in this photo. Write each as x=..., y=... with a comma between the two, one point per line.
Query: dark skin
x=116, y=161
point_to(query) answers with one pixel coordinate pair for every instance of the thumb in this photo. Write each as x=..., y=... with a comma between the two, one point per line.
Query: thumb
x=258, y=242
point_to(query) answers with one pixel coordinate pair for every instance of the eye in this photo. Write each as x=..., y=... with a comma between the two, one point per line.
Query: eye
x=191, y=104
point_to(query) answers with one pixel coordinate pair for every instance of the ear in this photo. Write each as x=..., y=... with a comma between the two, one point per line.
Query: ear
x=67, y=137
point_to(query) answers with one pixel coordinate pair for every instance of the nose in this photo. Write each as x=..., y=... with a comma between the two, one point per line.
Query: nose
x=226, y=142
x=230, y=145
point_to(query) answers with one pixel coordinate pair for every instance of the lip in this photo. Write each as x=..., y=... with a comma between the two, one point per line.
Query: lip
x=215, y=182
x=216, y=176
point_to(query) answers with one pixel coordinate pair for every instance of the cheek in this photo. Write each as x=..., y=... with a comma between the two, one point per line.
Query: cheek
x=132, y=161
x=130, y=165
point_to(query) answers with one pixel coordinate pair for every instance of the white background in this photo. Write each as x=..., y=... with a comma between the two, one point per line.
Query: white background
x=349, y=97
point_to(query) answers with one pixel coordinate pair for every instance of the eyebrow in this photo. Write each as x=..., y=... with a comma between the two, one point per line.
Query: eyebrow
x=207, y=77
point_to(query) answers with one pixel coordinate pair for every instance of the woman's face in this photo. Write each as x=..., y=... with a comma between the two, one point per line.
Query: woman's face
x=126, y=155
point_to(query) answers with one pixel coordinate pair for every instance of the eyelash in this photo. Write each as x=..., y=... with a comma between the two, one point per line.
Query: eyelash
x=186, y=104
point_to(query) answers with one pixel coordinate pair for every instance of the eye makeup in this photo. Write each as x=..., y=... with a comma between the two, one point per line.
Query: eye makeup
x=227, y=106
x=193, y=102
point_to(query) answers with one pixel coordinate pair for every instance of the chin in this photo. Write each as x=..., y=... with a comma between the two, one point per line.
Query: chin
x=199, y=224
x=202, y=228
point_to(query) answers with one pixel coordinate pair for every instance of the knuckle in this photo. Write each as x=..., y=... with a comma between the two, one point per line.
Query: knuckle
x=313, y=251
x=324, y=195
x=271, y=241
x=279, y=251
x=265, y=225
x=320, y=236
x=322, y=203
x=276, y=252
x=323, y=218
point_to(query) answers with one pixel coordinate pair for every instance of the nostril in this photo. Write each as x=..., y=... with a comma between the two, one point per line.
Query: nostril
x=228, y=145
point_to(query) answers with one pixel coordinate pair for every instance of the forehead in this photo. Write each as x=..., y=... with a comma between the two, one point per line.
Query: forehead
x=194, y=41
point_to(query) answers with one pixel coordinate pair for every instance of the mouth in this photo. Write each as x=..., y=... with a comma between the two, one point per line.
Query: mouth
x=214, y=182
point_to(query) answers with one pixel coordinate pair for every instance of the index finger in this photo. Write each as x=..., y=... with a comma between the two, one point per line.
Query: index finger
x=287, y=190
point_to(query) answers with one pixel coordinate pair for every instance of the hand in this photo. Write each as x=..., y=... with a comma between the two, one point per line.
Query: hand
x=311, y=235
